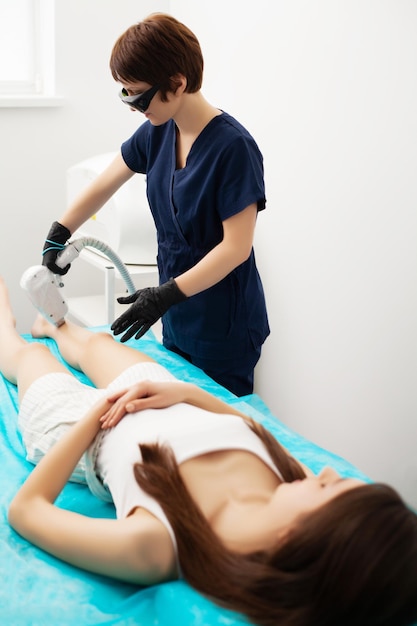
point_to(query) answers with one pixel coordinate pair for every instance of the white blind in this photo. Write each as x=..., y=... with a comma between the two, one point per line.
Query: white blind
x=25, y=46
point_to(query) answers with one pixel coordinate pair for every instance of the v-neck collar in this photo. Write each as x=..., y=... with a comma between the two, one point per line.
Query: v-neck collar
x=196, y=141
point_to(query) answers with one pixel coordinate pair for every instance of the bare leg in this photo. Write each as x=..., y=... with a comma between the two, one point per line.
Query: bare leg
x=21, y=362
x=11, y=343
x=98, y=355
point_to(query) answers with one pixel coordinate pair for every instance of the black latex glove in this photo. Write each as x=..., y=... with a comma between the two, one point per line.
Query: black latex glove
x=55, y=242
x=148, y=306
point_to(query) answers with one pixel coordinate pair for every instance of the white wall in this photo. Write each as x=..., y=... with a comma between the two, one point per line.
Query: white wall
x=39, y=144
x=329, y=90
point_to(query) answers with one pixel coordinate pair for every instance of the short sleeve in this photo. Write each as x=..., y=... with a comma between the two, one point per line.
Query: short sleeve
x=134, y=150
x=241, y=178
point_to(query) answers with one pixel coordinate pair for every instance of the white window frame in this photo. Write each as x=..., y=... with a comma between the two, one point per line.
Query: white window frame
x=39, y=90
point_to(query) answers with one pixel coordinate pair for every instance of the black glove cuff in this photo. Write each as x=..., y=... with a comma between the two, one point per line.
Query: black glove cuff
x=55, y=242
x=174, y=294
x=57, y=237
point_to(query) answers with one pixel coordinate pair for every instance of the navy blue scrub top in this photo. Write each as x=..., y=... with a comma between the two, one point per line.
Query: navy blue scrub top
x=222, y=176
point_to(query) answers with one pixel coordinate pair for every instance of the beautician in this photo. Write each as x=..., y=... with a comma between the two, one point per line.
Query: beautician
x=205, y=187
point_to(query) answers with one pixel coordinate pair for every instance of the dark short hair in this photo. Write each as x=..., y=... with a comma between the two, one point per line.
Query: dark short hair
x=157, y=50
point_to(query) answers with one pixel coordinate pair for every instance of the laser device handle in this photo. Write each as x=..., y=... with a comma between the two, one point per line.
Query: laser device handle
x=68, y=254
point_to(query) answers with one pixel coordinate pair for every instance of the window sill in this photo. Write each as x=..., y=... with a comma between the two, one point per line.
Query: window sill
x=26, y=100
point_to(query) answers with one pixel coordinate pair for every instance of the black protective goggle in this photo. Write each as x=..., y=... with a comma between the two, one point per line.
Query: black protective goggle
x=141, y=101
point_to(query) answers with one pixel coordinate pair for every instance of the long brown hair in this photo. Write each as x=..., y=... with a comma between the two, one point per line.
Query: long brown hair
x=155, y=51
x=352, y=562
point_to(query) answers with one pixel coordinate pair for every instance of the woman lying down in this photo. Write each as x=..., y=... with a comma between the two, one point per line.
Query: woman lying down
x=201, y=492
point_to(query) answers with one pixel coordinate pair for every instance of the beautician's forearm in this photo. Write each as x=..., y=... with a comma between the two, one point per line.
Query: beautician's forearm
x=233, y=250
x=215, y=266
x=91, y=200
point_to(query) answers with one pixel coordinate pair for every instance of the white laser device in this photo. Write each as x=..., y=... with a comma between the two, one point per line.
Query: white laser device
x=43, y=286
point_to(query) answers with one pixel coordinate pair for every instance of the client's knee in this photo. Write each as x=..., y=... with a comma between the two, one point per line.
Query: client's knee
x=34, y=351
x=95, y=349
x=33, y=356
x=97, y=339
x=33, y=360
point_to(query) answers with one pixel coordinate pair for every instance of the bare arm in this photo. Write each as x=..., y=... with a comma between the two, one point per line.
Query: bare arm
x=50, y=476
x=96, y=195
x=136, y=549
x=234, y=249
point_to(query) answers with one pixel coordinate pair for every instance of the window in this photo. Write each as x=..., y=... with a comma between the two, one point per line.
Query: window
x=26, y=48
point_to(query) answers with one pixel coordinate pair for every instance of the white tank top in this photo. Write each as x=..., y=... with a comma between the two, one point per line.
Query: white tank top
x=190, y=431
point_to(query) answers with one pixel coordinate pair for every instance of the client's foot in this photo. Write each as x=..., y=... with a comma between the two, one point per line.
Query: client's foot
x=6, y=314
x=42, y=328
